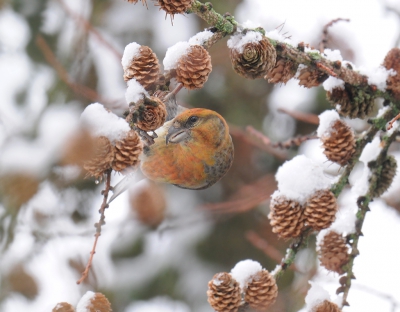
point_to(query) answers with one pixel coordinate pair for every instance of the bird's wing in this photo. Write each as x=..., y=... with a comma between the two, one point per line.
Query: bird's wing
x=124, y=184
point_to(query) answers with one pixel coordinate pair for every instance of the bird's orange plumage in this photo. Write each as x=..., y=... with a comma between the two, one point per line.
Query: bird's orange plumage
x=194, y=150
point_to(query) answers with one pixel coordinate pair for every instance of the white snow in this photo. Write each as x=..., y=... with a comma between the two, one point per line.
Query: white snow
x=326, y=121
x=315, y=295
x=377, y=76
x=345, y=221
x=250, y=24
x=359, y=178
x=333, y=55
x=300, y=178
x=200, y=38
x=332, y=83
x=158, y=304
x=174, y=53
x=84, y=303
x=101, y=122
x=216, y=280
x=131, y=51
x=135, y=91
x=244, y=270
x=14, y=31
x=238, y=41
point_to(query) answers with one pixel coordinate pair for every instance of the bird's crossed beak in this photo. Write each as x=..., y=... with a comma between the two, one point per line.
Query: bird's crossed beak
x=176, y=135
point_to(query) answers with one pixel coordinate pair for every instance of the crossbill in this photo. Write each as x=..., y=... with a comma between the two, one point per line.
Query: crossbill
x=192, y=151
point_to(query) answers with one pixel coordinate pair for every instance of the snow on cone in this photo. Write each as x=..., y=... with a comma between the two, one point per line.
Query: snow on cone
x=333, y=252
x=261, y=291
x=140, y=63
x=194, y=67
x=320, y=210
x=94, y=302
x=63, y=307
x=224, y=293
x=252, y=55
x=392, y=61
x=286, y=217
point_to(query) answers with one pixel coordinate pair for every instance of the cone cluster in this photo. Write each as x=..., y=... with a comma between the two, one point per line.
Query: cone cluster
x=194, y=68
x=149, y=204
x=339, y=146
x=224, y=293
x=326, y=306
x=119, y=156
x=150, y=117
x=173, y=7
x=320, y=210
x=311, y=77
x=261, y=291
x=144, y=68
x=392, y=61
x=283, y=71
x=127, y=152
x=333, y=252
x=63, y=307
x=256, y=60
x=353, y=104
x=286, y=217
x=389, y=168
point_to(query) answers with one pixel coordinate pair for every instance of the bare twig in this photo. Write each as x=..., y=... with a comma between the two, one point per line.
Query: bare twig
x=89, y=27
x=324, y=41
x=81, y=90
x=390, y=125
x=98, y=225
x=308, y=118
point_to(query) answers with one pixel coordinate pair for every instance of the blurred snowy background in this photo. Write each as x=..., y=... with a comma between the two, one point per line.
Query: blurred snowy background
x=58, y=56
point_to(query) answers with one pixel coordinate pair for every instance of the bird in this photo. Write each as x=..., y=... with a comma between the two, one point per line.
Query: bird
x=194, y=150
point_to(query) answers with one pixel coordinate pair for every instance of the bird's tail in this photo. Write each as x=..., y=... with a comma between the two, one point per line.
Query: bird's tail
x=124, y=185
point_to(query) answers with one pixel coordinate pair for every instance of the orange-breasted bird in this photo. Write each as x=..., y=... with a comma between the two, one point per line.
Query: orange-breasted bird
x=193, y=150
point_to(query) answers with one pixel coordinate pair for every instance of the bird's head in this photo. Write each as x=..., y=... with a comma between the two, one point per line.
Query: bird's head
x=198, y=125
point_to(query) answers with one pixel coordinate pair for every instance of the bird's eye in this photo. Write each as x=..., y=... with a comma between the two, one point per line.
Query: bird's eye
x=192, y=119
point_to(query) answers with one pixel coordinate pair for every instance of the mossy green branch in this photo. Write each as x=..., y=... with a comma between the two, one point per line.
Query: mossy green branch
x=225, y=25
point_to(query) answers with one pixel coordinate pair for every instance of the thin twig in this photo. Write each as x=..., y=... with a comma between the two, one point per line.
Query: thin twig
x=81, y=90
x=306, y=117
x=98, y=225
x=89, y=27
x=390, y=125
x=324, y=41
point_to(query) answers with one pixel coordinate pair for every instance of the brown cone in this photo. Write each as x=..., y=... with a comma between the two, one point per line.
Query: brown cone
x=392, y=61
x=286, y=217
x=340, y=145
x=256, y=60
x=353, y=104
x=17, y=188
x=174, y=6
x=78, y=148
x=283, y=71
x=326, y=306
x=127, y=152
x=333, y=252
x=101, y=159
x=63, y=307
x=262, y=291
x=224, y=293
x=389, y=168
x=194, y=68
x=320, y=210
x=99, y=303
x=151, y=116
x=311, y=77
x=149, y=204
x=144, y=68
